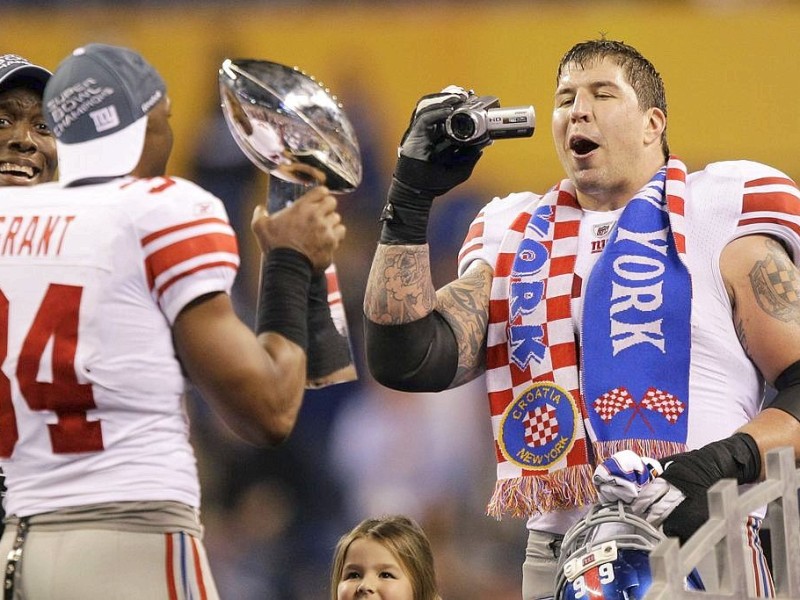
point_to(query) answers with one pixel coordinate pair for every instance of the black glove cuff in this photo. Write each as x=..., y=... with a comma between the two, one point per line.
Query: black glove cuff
x=283, y=298
x=405, y=216
x=694, y=472
x=445, y=170
x=419, y=175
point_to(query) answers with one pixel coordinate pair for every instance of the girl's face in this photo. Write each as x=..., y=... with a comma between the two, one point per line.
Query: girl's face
x=372, y=571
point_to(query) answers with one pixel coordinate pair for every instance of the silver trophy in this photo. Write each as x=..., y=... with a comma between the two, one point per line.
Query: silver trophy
x=289, y=125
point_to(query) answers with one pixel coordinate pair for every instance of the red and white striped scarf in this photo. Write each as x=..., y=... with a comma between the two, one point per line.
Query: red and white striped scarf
x=538, y=405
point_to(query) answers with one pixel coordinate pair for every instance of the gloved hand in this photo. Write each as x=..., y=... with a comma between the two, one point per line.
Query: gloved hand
x=693, y=473
x=623, y=475
x=428, y=159
x=635, y=480
x=678, y=497
x=429, y=164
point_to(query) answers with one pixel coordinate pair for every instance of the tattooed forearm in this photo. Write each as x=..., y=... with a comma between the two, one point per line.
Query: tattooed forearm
x=465, y=306
x=775, y=284
x=399, y=288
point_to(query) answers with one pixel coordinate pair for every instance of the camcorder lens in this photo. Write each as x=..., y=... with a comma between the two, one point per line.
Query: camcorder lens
x=462, y=126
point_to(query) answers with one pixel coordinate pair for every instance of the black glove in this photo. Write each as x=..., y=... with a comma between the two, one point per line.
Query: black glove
x=429, y=164
x=693, y=473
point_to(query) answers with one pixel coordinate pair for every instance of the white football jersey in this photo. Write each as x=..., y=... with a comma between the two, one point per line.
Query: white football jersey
x=91, y=391
x=725, y=201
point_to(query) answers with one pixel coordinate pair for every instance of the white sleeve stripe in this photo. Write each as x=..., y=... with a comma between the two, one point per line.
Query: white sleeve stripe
x=186, y=267
x=168, y=284
x=773, y=189
x=193, y=230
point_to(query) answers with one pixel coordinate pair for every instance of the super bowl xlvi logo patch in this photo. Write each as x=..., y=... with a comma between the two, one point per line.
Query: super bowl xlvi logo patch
x=538, y=428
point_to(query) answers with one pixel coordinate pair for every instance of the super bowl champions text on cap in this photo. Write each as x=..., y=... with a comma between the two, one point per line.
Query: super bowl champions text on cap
x=76, y=100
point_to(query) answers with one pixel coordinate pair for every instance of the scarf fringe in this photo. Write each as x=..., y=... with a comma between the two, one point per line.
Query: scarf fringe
x=522, y=497
x=653, y=448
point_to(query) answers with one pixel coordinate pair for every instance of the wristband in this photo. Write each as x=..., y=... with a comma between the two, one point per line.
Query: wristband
x=693, y=473
x=283, y=297
x=405, y=216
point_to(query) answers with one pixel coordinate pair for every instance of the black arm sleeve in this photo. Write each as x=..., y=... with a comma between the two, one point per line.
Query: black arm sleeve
x=421, y=356
x=788, y=386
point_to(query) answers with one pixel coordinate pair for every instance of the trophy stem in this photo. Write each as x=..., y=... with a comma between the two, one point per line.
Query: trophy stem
x=282, y=192
x=329, y=354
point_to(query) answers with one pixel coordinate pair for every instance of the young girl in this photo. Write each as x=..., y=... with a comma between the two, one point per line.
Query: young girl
x=388, y=559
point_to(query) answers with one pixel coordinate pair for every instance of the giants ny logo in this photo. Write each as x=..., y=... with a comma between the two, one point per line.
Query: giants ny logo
x=601, y=233
x=105, y=118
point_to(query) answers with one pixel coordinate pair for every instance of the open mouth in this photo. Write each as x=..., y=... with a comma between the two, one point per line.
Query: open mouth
x=16, y=170
x=582, y=146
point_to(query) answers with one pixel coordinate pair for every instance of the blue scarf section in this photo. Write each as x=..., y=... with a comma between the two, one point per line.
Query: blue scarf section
x=636, y=337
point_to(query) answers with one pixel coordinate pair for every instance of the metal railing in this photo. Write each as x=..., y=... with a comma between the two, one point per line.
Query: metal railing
x=720, y=541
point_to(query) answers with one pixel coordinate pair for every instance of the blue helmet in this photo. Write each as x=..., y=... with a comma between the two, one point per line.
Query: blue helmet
x=606, y=556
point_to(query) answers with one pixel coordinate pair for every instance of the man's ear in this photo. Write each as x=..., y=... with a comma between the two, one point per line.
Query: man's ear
x=654, y=126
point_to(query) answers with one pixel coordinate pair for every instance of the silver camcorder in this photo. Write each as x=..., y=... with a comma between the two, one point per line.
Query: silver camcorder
x=481, y=118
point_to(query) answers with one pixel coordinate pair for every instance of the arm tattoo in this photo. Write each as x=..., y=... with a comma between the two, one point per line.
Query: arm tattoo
x=775, y=284
x=399, y=288
x=465, y=305
x=739, y=326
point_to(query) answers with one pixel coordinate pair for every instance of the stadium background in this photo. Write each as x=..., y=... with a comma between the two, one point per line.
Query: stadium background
x=273, y=516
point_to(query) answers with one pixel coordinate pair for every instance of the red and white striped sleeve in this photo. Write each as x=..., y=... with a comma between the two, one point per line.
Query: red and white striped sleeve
x=473, y=243
x=489, y=227
x=770, y=205
x=188, y=245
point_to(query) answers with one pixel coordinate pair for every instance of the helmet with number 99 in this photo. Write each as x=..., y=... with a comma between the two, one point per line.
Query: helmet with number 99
x=606, y=556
